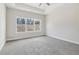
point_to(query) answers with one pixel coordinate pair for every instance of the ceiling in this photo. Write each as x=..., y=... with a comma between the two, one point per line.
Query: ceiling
x=33, y=7
x=37, y=5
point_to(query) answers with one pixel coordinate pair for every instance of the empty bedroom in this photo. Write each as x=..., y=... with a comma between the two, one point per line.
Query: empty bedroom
x=39, y=28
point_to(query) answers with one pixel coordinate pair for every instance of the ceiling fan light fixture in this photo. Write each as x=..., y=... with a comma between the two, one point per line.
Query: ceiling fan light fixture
x=48, y=4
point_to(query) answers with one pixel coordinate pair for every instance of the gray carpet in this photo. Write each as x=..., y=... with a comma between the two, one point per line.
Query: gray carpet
x=40, y=46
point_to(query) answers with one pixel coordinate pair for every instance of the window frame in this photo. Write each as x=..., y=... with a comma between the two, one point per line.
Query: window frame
x=25, y=18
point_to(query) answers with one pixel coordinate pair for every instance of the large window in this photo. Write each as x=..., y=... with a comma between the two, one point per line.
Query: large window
x=20, y=25
x=37, y=24
x=27, y=24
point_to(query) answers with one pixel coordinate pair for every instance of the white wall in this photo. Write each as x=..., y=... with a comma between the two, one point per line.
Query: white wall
x=11, y=24
x=63, y=22
x=2, y=25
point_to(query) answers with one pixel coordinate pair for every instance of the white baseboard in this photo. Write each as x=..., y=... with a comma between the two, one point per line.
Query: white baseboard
x=64, y=39
x=13, y=39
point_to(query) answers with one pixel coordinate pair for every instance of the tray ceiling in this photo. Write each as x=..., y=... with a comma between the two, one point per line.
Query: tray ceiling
x=43, y=9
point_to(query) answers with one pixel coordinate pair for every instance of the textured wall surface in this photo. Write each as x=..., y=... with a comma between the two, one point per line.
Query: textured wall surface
x=63, y=22
x=12, y=14
x=2, y=25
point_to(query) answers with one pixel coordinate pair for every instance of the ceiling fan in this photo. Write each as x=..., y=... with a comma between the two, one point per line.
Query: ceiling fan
x=48, y=4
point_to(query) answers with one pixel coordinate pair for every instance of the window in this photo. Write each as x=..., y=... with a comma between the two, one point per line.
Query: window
x=30, y=24
x=20, y=25
x=37, y=24
x=27, y=24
